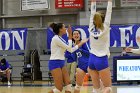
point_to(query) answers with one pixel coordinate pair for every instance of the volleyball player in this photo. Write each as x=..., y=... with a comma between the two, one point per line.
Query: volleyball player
x=99, y=28
x=82, y=56
x=57, y=59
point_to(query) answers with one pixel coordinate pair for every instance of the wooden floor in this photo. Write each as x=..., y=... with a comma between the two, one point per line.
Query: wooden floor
x=45, y=89
x=42, y=87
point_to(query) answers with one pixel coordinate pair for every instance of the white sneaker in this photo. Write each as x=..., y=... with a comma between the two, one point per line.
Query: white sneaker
x=9, y=84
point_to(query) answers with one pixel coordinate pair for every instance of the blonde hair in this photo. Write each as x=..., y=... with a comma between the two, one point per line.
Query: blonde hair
x=98, y=22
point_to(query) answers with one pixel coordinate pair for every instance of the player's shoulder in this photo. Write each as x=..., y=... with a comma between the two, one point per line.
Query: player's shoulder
x=106, y=26
x=55, y=37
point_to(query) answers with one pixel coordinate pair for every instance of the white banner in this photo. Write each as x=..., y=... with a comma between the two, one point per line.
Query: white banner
x=34, y=4
x=13, y=39
x=129, y=3
x=101, y=3
x=126, y=67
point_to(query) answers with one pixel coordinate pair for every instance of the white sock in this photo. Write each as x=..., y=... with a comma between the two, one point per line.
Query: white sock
x=9, y=83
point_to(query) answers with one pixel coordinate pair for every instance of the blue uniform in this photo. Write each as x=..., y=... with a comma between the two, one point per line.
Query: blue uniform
x=71, y=57
x=58, y=48
x=98, y=63
x=4, y=67
x=99, y=40
x=53, y=64
x=83, y=57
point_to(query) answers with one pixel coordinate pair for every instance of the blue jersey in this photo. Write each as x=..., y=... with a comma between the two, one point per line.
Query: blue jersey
x=83, y=55
x=65, y=37
x=71, y=57
x=5, y=66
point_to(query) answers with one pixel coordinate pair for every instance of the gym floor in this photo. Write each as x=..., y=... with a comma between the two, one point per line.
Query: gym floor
x=43, y=87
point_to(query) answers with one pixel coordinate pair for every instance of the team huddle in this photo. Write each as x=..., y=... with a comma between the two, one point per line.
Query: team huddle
x=91, y=53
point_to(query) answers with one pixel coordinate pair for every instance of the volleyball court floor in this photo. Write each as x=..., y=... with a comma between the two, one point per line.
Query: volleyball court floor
x=43, y=87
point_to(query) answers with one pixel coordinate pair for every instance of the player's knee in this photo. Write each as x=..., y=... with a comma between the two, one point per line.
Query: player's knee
x=69, y=87
x=77, y=87
x=56, y=90
x=108, y=89
x=96, y=90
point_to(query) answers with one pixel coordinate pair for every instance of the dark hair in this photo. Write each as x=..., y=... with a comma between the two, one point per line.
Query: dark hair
x=79, y=33
x=57, y=27
x=52, y=25
x=3, y=60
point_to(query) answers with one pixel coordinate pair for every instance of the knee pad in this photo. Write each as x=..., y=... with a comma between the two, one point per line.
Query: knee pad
x=69, y=87
x=77, y=87
x=56, y=90
x=96, y=90
x=108, y=88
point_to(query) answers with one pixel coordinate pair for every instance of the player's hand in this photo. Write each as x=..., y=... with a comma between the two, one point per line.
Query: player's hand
x=69, y=32
x=128, y=49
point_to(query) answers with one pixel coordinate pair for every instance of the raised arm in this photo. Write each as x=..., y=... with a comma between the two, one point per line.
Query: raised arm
x=93, y=11
x=70, y=35
x=136, y=51
x=108, y=13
